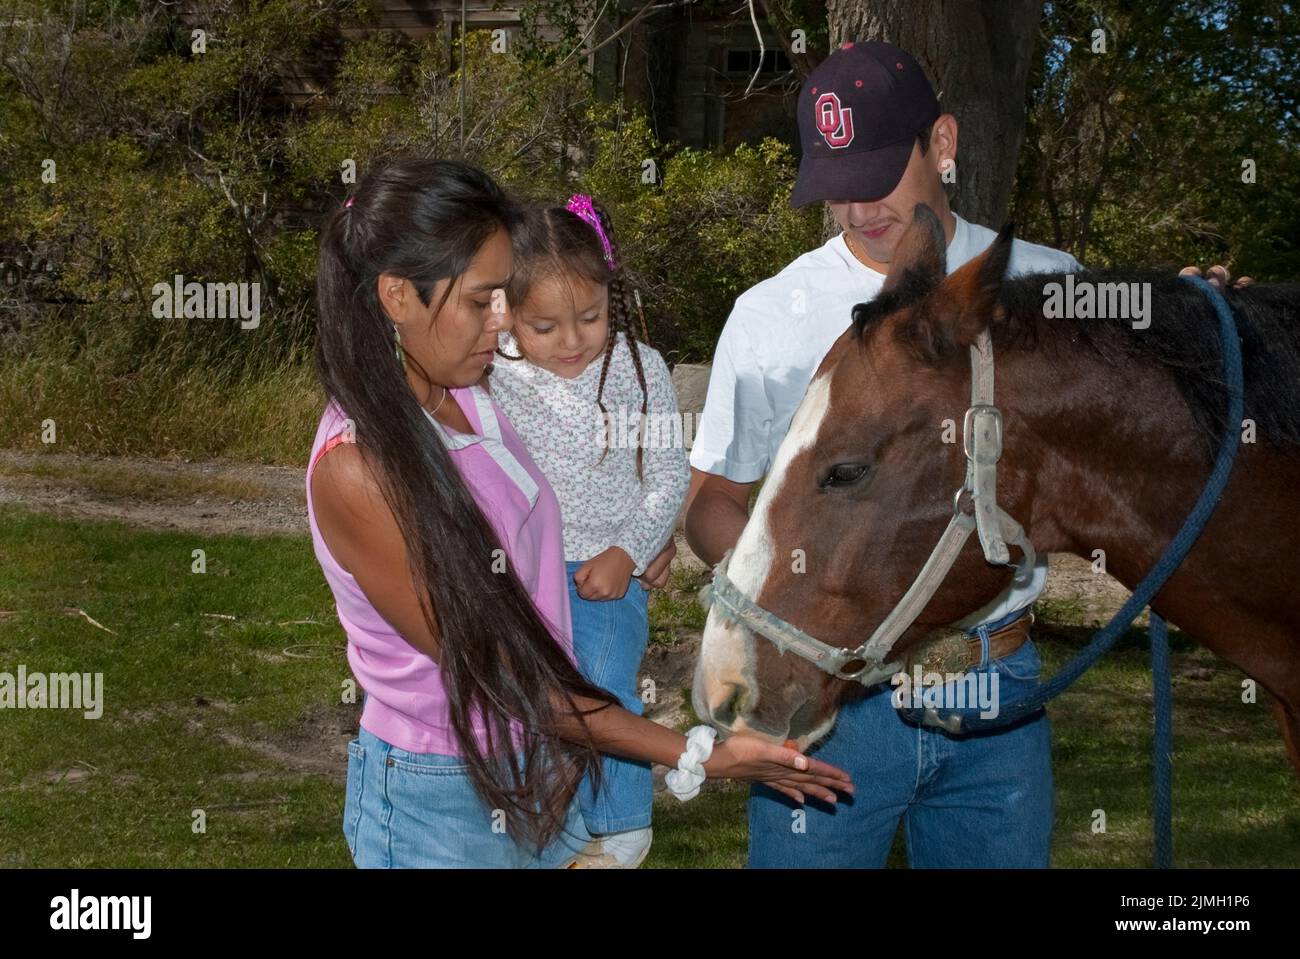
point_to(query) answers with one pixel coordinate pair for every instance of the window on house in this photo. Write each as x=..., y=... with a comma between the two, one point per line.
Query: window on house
x=746, y=61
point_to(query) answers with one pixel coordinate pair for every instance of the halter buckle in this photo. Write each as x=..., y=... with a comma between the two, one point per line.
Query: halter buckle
x=981, y=434
x=847, y=657
x=869, y=673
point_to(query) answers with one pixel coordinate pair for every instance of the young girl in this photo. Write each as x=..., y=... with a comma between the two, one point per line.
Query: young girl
x=440, y=539
x=575, y=383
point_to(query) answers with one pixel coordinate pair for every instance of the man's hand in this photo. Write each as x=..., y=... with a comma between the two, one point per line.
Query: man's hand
x=1219, y=276
x=656, y=574
x=605, y=576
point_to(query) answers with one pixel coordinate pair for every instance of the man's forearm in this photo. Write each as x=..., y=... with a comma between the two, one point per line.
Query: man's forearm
x=714, y=524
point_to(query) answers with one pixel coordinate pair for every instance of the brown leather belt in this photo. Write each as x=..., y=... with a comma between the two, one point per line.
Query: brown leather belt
x=956, y=652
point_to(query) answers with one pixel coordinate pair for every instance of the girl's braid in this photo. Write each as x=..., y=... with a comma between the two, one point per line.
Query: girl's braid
x=621, y=304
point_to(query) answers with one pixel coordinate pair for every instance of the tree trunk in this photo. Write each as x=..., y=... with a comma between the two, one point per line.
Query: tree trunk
x=976, y=55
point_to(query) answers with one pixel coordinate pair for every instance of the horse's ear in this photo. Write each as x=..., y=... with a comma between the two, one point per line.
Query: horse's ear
x=967, y=300
x=921, y=258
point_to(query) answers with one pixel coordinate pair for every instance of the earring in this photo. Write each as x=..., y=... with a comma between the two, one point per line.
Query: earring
x=397, y=348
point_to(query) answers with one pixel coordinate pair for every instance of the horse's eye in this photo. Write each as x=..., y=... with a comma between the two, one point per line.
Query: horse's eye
x=842, y=474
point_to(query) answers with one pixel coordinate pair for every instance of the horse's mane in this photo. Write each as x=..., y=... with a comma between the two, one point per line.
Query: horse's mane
x=1183, y=338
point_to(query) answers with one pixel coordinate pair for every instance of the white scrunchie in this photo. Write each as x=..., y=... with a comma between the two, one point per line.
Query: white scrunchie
x=685, y=780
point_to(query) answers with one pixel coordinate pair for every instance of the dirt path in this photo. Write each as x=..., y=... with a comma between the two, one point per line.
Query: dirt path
x=211, y=497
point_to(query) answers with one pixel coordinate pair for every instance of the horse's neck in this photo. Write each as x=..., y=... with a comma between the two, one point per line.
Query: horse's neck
x=1099, y=456
x=1104, y=459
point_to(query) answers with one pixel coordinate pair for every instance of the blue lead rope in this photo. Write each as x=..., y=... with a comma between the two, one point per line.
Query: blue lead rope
x=1162, y=792
x=1174, y=554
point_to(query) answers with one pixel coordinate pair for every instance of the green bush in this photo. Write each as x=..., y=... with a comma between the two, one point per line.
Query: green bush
x=170, y=161
x=704, y=228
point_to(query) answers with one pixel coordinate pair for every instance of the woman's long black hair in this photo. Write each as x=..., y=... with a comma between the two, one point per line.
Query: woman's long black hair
x=424, y=220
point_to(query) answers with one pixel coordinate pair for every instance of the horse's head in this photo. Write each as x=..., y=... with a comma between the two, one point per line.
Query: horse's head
x=859, y=493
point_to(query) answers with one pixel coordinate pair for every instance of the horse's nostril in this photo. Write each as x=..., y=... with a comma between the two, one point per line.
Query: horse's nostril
x=722, y=714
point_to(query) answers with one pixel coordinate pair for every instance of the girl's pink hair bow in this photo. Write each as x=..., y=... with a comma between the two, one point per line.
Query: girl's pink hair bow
x=580, y=204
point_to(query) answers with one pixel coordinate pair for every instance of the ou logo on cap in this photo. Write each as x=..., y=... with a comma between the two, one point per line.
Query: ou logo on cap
x=835, y=123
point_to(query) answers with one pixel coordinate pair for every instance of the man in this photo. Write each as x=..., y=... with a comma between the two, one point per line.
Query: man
x=874, y=145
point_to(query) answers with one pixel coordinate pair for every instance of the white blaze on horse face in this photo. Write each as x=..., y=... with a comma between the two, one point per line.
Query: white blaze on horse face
x=751, y=562
x=725, y=653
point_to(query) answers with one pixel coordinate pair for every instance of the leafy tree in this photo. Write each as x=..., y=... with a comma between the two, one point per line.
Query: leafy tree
x=1134, y=153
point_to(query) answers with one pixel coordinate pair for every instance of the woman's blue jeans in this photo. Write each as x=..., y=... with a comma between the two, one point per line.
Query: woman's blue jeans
x=407, y=810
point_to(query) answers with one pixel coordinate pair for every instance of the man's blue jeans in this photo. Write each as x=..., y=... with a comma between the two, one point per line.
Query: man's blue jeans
x=976, y=801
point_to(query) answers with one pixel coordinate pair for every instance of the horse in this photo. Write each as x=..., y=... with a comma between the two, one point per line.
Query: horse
x=1109, y=429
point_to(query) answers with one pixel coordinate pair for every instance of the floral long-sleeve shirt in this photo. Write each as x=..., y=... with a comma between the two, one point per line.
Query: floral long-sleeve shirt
x=602, y=502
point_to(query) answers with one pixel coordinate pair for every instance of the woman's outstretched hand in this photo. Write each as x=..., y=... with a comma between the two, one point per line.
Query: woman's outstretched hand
x=786, y=770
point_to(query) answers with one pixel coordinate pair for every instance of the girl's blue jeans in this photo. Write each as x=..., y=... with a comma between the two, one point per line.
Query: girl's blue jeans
x=609, y=642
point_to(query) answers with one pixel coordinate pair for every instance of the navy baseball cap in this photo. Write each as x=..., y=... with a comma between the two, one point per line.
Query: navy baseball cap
x=859, y=113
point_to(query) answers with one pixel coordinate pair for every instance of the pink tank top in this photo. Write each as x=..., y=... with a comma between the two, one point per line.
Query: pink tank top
x=406, y=704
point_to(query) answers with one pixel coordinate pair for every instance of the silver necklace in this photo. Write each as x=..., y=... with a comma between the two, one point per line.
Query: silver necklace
x=440, y=402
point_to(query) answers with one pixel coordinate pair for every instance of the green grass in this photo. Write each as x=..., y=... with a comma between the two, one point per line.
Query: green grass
x=201, y=711
x=1236, y=797
x=168, y=411
x=175, y=680
x=674, y=611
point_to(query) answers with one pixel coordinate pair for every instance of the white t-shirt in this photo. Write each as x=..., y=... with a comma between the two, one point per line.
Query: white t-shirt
x=777, y=335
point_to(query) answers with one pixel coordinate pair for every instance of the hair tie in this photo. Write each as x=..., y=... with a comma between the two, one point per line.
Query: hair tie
x=580, y=204
x=348, y=204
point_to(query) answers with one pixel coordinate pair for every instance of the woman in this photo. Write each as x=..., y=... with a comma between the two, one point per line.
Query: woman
x=441, y=541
